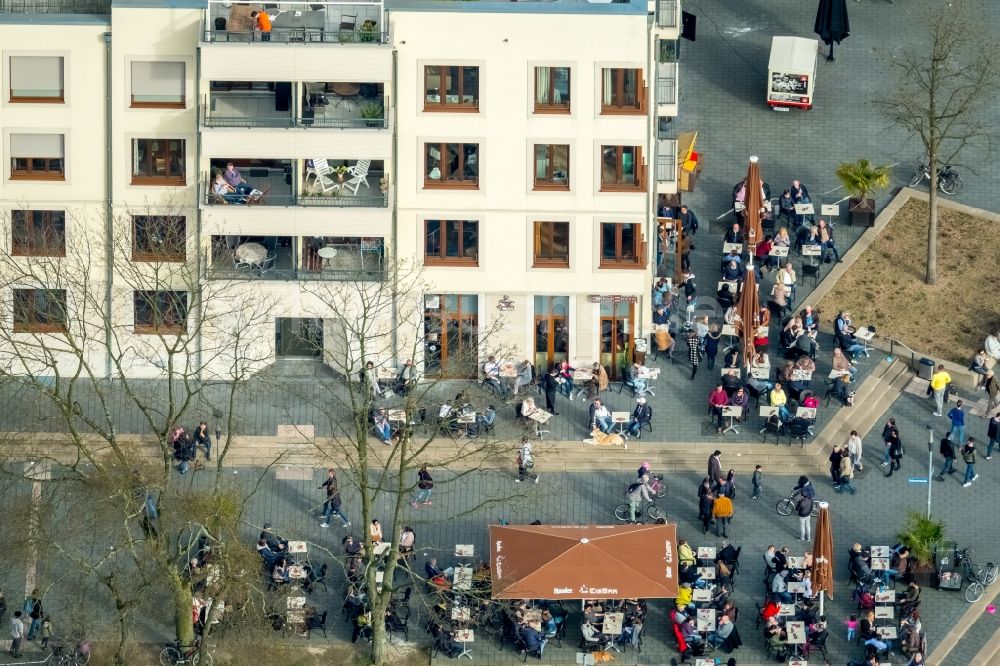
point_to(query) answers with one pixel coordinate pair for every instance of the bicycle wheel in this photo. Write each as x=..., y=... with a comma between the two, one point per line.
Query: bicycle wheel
x=169, y=656
x=974, y=591
x=661, y=490
x=951, y=184
x=198, y=659
x=917, y=177
x=621, y=513
x=784, y=507
x=654, y=512
x=81, y=659
x=991, y=573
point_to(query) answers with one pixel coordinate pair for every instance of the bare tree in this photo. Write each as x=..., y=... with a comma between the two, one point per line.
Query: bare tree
x=88, y=365
x=942, y=89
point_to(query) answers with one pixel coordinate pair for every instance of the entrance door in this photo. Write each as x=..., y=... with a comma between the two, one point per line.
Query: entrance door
x=551, y=331
x=617, y=324
x=298, y=337
x=451, y=330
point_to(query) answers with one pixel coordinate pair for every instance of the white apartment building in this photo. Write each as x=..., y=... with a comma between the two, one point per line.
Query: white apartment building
x=513, y=149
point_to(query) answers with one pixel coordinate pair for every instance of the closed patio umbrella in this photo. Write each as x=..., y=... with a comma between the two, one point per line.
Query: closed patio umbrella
x=832, y=24
x=754, y=203
x=749, y=311
x=822, y=573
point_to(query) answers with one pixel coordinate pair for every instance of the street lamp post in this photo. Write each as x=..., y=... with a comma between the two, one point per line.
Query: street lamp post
x=930, y=466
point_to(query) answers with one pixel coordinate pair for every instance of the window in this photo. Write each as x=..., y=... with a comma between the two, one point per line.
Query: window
x=668, y=50
x=451, y=165
x=552, y=90
x=551, y=167
x=621, y=168
x=622, y=91
x=552, y=244
x=451, y=242
x=451, y=335
x=158, y=162
x=39, y=310
x=157, y=85
x=160, y=312
x=621, y=245
x=36, y=79
x=158, y=238
x=451, y=88
x=38, y=233
x=36, y=157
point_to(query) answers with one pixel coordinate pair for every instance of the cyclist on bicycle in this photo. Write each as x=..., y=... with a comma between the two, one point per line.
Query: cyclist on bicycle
x=636, y=493
x=804, y=488
x=655, y=483
x=643, y=471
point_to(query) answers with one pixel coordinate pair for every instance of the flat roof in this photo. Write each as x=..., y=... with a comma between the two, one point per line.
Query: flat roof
x=626, y=7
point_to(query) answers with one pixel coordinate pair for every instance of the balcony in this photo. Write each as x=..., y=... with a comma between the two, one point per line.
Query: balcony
x=317, y=22
x=668, y=13
x=330, y=183
x=98, y=7
x=333, y=105
x=666, y=89
x=285, y=258
x=666, y=166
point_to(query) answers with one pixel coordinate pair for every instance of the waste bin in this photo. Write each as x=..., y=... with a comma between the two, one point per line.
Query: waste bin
x=925, y=369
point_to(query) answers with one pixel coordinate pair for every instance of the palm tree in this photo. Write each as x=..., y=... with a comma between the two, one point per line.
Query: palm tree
x=862, y=179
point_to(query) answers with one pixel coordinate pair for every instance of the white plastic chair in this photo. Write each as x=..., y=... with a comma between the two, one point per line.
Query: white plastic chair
x=319, y=171
x=360, y=176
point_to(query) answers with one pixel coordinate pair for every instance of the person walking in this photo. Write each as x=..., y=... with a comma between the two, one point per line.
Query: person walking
x=331, y=506
x=939, y=388
x=895, y=452
x=45, y=633
x=993, y=435
x=957, y=416
x=715, y=469
x=16, y=635
x=706, y=501
x=835, y=457
x=846, y=474
x=855, y=449
x=33, y=607
x=803, y=509
x=887, y=430
x=947, y=450
x=425, y=486
x=722, y=511
x=525, y=462
x=550, y=386
x=969, y=457
x=694, y=351
x=757, y=480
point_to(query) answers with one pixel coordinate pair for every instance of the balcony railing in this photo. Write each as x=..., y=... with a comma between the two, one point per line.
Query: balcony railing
x=666, y=168
x=380, y=200
x=322, y=22
x=296, y=274
x=298, y=36
x=55, y=6
x=666, y=13
x=666, y=90
x=215, y=120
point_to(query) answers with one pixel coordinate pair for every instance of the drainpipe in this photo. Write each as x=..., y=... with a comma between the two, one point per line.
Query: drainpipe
x=652, y=178
x=200, y=269
x=394, y=252
x=109, y=252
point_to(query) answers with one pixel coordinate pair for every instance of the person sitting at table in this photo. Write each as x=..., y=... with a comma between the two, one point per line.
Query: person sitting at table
x=721, y=633
x=491, y=374
x=235, y=180
x=268, y=556
x=781, y=239
x=731, y=358
x=598, y=382
x=592, y=635
x=732, y=272
x=375, y=532
x=600, y=417
x=685, y=596
x=777, y=398
x=685, y=554
x=868, y=632
x=804, y=345
x=223, y=190
x=279, y=574
x=433, y=571
x=370, y=380
x=632, y=377
x=549, y=625
x=731, y=382
x=841, y=364
x=406, y=540
x=565, y=373
x=720, y=598
x=776, y=641
x=809, y=319
x=382, y=427
x=779, y=587
x=274, y=542
x=660, y=290
x=805, y=364
x=483, y=422
x=786, y=206
x=641, y=415
x=844, y=333
x=718, y=399
x=826, y=243
x=725, y=296
x=730, y=256
x=740, y=399
x=532, y=639
x=778, y=300
x=734, y=235
x=406, y=378
x=525, y=375
x=762, y=254
x=661, y=316
x=760, y=338
x=690, y=632
x=786, y=276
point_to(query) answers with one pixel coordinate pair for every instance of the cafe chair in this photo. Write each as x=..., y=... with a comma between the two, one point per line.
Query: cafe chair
x=817, y=643
x=808, y=270
x=359, y=176
x=316, y=578
x=636, y=641
x=318, y=623
x=589, y=646
x=734, y=642
x=798, y=431
x=773, y=427
x=758, y=618
x=399, y=623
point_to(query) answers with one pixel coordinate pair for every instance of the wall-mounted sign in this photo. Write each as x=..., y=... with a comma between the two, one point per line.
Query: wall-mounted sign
x=612, y=298
x=505, y=304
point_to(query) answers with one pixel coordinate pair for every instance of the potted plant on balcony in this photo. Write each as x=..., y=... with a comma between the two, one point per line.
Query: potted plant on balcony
x=862, y=179
x=372, y=113
x=367, y=30
x=923, y=536
x=340, y=172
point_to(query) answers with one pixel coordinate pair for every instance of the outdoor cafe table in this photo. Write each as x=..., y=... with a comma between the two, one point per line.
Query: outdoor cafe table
x=885, y=596
x=705, y=619
x=796, y=562
x=708, y=573
x=298, y=547
x=706, y=552
x=463, y=578
x=701, y=594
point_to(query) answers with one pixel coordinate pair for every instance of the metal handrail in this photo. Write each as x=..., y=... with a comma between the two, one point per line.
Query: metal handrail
x=666, y=13
x=296, y=274
x=666, y=168
x=666, y=90
x=892, y=350
x=215, y=120
x=297, y=36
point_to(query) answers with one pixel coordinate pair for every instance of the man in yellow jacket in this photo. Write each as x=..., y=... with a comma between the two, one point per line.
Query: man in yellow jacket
x=939, y=384
x=722, y=511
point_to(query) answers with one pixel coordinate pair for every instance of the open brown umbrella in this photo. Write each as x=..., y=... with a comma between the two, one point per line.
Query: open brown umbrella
x=754, y=203
x=822, y=573
x=748, y=309
x=583, y=562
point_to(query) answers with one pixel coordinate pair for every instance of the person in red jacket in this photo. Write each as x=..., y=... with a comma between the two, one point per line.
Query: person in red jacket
x=717, y=399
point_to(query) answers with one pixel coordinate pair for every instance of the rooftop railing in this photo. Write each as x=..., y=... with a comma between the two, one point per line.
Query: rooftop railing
x=55, y=6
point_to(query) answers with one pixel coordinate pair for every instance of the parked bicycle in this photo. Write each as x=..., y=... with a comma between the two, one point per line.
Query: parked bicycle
x=175, y=655
x=71, y=653
x=949, y=182
x=975, y=574
x=652, y=511
x=786, y=506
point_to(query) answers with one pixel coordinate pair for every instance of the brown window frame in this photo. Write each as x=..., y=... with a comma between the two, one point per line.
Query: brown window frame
x=182, y=104
x=165, y=153
x=617, y=185
x=442, y=258
x=49, y=241
x=619, y=261
x=449, y=184
x=24, y=298
x=618, y=85
x=158, y=307
x=548, y=183
x=29, y=172
x=552, y=107
x=174, y=241
x=443, y=105
x=544, y=232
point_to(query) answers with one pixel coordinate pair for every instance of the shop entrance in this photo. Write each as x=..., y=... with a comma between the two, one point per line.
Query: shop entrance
x=296, y=337
x=617, y=324
x=551, y=331
x=451, y=335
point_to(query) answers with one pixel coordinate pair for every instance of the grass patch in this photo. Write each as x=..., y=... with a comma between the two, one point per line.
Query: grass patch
x=885, y=286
